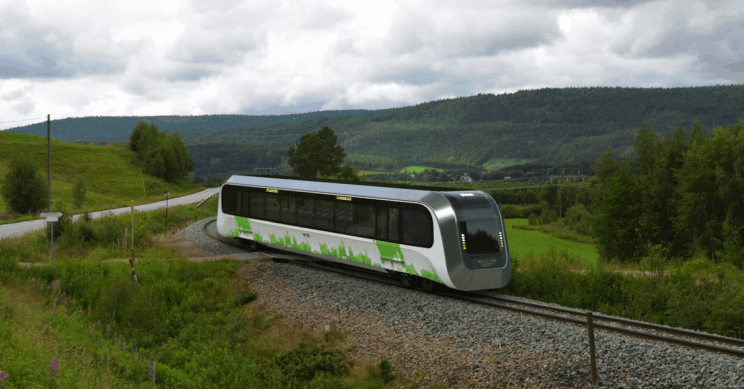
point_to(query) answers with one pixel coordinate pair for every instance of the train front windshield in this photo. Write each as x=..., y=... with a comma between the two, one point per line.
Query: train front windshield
x=479, y=228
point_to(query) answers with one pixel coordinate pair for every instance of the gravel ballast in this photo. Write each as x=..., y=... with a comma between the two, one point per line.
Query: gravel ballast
x=470, y=345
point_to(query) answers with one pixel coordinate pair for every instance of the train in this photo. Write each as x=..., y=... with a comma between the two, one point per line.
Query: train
x=425, y=236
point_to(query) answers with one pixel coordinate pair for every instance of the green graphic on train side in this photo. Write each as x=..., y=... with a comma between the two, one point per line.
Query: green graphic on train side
x=244, y=225
x=390, y=251
x=432, y=275
x=339, y=252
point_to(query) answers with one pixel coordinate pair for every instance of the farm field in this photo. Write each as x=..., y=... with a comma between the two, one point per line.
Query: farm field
x=418, y=169
x=522, y=242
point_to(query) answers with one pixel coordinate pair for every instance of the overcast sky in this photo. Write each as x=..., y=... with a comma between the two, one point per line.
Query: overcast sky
x=129, y=58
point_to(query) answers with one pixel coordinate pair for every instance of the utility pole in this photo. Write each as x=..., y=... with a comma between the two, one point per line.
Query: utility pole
x=49, y=166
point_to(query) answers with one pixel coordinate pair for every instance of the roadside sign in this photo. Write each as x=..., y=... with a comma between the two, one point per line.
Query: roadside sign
x=51, y=216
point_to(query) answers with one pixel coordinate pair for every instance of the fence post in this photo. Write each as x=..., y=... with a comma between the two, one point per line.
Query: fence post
x=152, y=369
x=591, y=347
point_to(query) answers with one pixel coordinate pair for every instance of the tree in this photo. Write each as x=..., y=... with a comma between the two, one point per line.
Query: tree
x=78, y=192
x=617, y=221
x=617, y=225
x=316, y=153
x=159, y=154
x=23, y=188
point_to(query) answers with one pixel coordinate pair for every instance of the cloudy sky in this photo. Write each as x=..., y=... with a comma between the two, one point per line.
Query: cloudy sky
x=127, y=58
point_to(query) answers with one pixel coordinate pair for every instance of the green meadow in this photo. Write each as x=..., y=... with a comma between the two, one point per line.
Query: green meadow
x=537, y=243
x=418, y=169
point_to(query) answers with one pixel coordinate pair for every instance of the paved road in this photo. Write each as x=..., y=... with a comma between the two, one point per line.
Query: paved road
x=22, y=228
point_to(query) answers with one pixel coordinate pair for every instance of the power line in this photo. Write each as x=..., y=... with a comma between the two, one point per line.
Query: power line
x=22, y=120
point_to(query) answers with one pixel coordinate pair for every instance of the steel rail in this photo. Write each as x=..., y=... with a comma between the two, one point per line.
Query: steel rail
x=683, y=342
x=599, y=316
x=297, y=259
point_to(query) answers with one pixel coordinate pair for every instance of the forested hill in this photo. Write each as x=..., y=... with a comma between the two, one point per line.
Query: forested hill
x=545, y=126
x=554, y=126
x=116, y=129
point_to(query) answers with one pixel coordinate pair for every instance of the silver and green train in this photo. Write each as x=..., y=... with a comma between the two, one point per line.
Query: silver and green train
x=425, y=236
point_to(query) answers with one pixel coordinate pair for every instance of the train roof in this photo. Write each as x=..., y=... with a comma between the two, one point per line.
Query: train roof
x=349, y=188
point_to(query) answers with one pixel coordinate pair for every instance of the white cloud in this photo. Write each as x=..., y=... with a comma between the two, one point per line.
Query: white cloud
x=77, y=58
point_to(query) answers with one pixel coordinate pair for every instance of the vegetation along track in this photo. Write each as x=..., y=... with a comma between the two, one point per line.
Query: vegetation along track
x=705, y=341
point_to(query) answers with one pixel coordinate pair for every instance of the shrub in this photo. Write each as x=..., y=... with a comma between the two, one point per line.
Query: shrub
x=23, y=188
x=304, y=363
x=78, y=193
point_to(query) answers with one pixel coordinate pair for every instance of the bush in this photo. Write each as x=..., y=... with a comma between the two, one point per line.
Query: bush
x=60, y=226
x=578, y=219
x=305, y=363
x=78, y=193
x=23, y=188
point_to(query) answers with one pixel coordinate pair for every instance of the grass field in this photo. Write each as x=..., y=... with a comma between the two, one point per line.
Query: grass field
x=522, y=242
x=110, y=172
x=418, y=169
x=500, y=163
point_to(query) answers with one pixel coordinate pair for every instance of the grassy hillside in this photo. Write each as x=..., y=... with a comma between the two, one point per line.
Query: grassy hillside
x=111, y=175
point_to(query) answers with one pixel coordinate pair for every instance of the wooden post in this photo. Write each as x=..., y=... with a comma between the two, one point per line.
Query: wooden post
x=152, y=369
x=593, y=361
x=167, y=196
x=131, y=261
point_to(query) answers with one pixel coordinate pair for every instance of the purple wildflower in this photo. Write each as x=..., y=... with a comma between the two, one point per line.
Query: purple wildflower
x=3, y=376
x=53, y=365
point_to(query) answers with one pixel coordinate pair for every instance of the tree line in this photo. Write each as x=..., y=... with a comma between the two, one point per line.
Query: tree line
x=679, y=197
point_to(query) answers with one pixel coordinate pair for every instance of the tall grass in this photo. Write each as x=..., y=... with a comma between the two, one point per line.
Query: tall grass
x=195, y=319
x=698, y=294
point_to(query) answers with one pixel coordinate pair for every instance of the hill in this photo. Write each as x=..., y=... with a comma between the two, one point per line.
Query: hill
x=116, y=129
x=546, y=126
x=567, y=126
x=111, y=175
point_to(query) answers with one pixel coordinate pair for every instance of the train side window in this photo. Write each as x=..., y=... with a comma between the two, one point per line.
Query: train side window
x=289, y=210
x=228, y=199
x=363, y=221
x=382, y=213
x=344, y=215
x=417, y=226
x=393, y=223
x=306, y=212
x=245, y=202
x=272, y=208
x=257, y=205
x=324, y=214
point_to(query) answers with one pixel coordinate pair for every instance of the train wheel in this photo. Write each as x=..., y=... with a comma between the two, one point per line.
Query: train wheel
x=427, y=285
x=406, y=280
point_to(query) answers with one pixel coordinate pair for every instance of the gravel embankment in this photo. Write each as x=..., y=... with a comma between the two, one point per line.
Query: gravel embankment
x=467, y=345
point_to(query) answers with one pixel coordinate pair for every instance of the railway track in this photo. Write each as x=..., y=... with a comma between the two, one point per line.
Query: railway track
x=676, y=336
